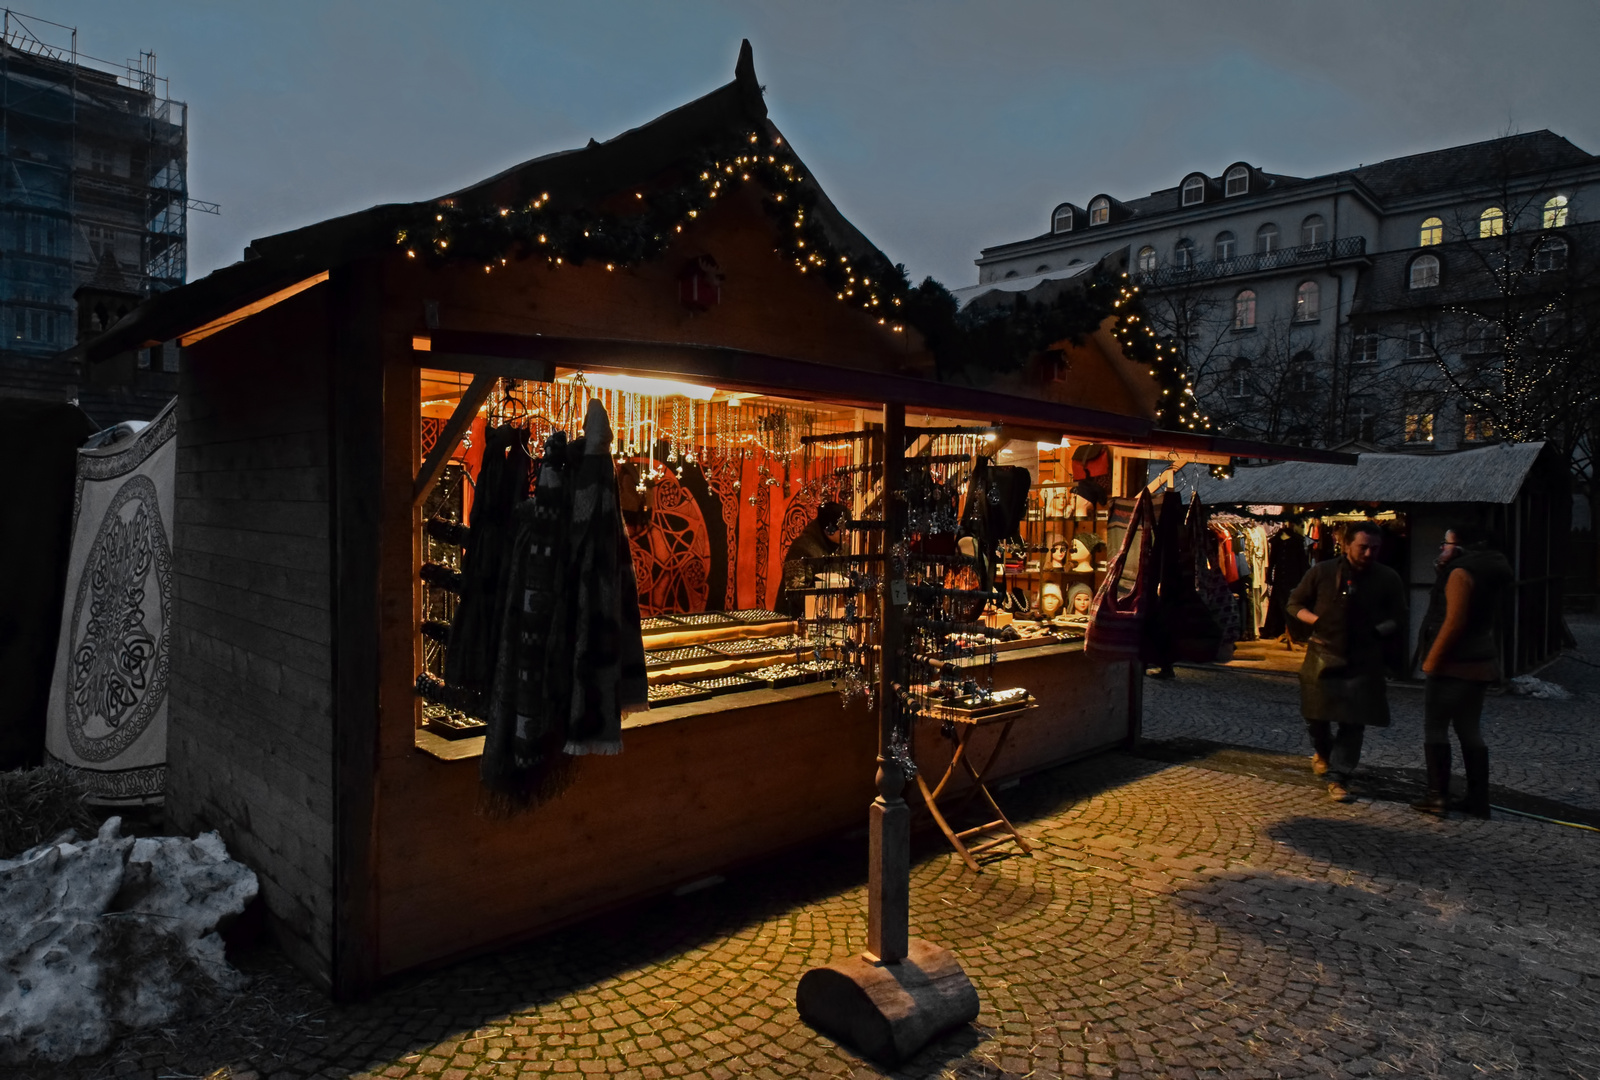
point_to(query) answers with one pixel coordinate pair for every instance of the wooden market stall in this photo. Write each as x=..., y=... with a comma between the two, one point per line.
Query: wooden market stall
x=1520, y=491
x=340, y=386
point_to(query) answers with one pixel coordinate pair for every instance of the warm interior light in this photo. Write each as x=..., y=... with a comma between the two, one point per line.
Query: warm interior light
x=421, y=343
x=638, y=384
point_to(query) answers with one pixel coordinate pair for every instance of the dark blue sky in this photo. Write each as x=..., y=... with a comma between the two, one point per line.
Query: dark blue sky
x=938, y=127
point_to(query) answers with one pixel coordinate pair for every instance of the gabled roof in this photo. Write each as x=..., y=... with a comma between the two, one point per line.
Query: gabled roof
x=1489, y=474
x=585, y=176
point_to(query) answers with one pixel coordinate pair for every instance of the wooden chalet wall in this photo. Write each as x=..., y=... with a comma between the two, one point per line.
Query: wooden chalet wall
x=250, y=745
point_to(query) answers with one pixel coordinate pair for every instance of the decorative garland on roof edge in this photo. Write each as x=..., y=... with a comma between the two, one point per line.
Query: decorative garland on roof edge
x=634, y=230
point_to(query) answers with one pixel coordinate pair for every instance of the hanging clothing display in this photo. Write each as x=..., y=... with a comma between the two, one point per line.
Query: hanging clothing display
x=486, y=564
x=107, y=716
x=570, y=665
x=1287, y=563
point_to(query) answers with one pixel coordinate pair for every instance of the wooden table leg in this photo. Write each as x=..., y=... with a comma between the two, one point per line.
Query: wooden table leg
x=930, y=798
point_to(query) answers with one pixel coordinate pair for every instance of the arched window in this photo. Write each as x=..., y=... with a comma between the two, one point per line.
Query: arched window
x=1041, y=268
x=1061, y=220
x=1432, y=232
x=1147, y=259
x=1099, y=210
x=1492, y=222
x=1551, y=254
x=1011, y=273
x=1244, y=310
x=1267, y=239
x=1424, y=272
x=1301, y=379
x=1183, y=254
x=1194, y=191
x=1307, y=302
x=1313, y=230
x=1224, y=246
x=1555, y=212
x=1237, y=182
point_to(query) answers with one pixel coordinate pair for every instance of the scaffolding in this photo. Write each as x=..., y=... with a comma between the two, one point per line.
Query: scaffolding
x=93, y=189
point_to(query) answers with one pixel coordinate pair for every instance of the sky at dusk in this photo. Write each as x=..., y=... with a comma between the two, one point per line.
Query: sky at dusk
x=938, y=127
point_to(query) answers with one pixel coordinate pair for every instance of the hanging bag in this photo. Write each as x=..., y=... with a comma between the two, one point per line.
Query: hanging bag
x=1114, y=621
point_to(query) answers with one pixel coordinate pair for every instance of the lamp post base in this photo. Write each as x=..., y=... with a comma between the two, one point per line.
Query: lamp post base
x=888, y=1011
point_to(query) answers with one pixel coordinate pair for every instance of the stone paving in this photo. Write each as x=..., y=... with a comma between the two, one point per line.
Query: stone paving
x=1177, y=921
x=1541, y=747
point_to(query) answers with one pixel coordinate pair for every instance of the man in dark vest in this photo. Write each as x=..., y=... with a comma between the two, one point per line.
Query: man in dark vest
x=822, y=537
x=1461, y=657
x=1355, y=607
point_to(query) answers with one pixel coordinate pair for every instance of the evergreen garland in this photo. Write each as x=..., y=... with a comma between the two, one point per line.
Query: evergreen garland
x=564, y=229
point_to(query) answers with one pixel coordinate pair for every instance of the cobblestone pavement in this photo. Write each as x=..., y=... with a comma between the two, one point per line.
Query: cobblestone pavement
x=1176, y=922
x=1541, y=747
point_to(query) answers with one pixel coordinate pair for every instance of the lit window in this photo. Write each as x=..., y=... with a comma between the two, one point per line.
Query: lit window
x=1424, y=272
x=1100, y=211
x=1492, y=222
x=1267, y=239
x=1225, y=245
x=1313, y=230
x=1551, y=254
x=1419, y=427
x=1061, y=221
x=1364, y=349
x=1244, y=310
x=1237, y=182
x=1555, y=212
x=1194, y=191
x=1147, y=259
x=1183, y=254
x=1300, y=379
x=1419, y=345
x=1432, y=232
x=1476, y=427
x=1307, y=302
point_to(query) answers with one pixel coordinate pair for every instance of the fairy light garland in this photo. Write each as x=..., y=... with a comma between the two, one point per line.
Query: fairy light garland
x=565, y=231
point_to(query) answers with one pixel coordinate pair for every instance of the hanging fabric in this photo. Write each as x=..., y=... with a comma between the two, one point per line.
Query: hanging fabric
x=571, y=659
x=486, y=564
x=1114, y=620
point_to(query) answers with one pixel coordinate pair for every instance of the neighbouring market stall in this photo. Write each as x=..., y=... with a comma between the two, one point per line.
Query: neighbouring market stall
x=1285, y=516
x=755, y=358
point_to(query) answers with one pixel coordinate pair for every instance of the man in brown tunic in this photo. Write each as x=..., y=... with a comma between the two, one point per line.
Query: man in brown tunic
x=1355, y=607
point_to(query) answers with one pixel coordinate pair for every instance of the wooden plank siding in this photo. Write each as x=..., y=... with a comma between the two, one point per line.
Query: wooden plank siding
x=250, y=750
x=687, y=797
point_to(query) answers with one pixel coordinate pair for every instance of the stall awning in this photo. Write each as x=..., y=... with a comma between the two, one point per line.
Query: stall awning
x=1489, y=474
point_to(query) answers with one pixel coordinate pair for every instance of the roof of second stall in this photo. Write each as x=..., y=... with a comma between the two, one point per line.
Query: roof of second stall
x=1488, y=474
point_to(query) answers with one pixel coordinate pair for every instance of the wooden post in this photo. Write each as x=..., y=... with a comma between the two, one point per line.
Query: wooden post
x=889, y=820
x=902, y=993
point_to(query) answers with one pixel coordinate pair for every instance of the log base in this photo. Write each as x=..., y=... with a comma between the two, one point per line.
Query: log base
x=888, y=1011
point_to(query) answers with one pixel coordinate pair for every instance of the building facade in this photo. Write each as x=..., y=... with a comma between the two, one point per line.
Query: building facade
x=1375, y=305
x=93, y=215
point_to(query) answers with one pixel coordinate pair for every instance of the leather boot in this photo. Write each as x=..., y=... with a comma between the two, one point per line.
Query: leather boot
x=1437, y=758
x=1477, y=766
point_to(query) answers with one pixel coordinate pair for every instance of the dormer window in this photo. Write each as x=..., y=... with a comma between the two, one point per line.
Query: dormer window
x=1194, y=191
x=1099, y=210
x=1237, y=182
x=1061, y=220
x=1424, y=272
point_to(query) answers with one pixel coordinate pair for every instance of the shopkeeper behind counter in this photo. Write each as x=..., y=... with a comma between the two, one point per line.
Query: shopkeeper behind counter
x=822, y=537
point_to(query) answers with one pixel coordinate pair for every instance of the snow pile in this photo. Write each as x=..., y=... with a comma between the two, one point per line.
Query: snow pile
x=110, y=931
x=1528, y=686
